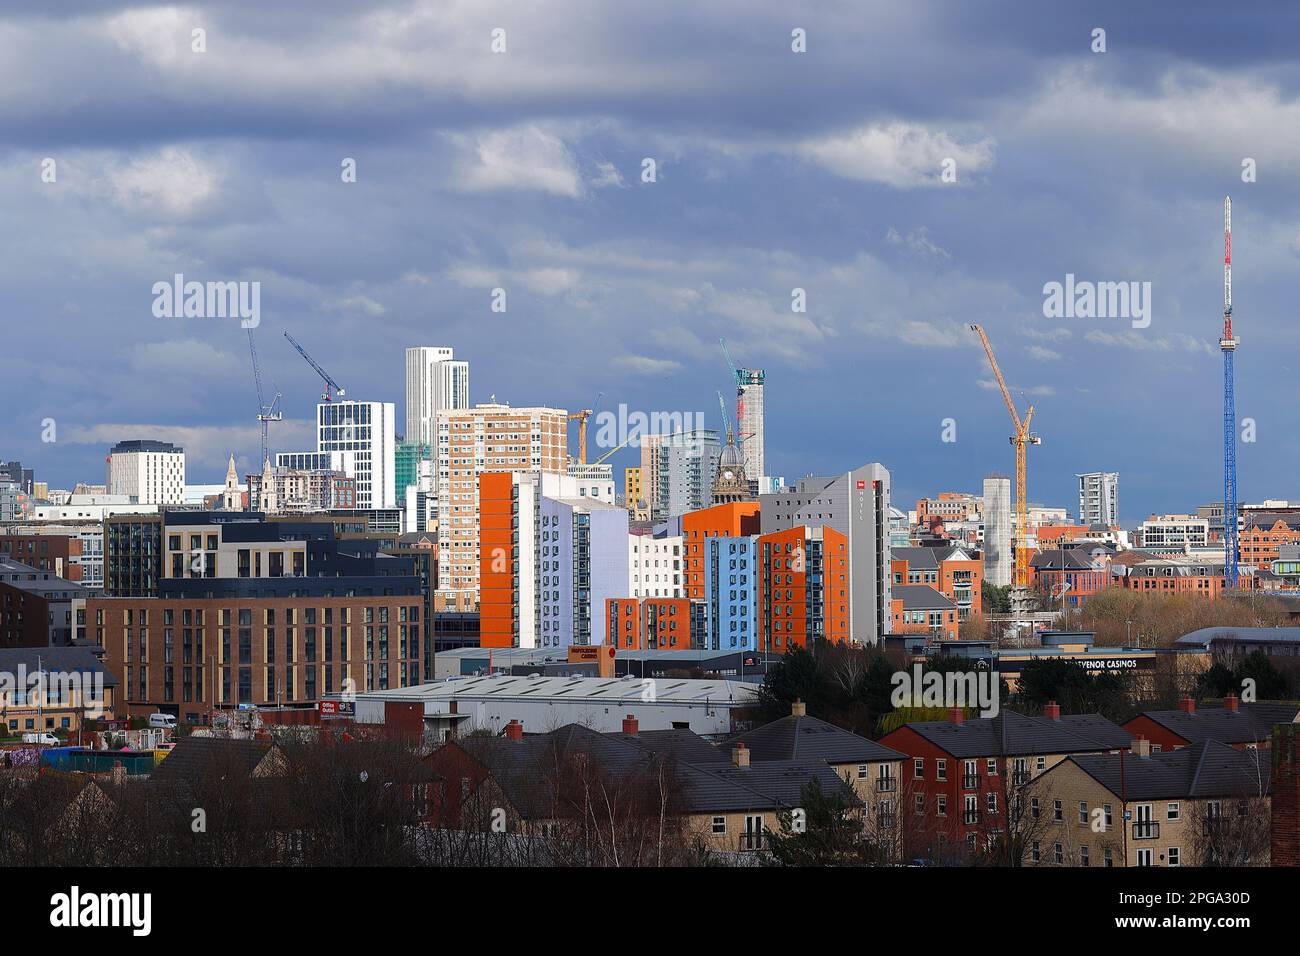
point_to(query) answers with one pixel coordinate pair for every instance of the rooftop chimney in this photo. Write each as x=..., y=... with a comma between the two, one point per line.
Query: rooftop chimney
x=1052, y=710
x=955, y=715
x=1141, y=747
x=630, y=725
x=1231, y=702
x=798, y=708
x=740, y=755
x=1187, y=705
x=515, y=730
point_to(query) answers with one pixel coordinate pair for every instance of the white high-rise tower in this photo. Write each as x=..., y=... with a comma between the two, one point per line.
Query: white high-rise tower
x=435, y=382
x=1099, y=497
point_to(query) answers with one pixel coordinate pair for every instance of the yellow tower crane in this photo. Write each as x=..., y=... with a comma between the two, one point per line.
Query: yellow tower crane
x=581, y=418
x=1021, y=439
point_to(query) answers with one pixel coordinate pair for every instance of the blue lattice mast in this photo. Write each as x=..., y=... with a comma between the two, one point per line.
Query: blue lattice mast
x=1229, y=345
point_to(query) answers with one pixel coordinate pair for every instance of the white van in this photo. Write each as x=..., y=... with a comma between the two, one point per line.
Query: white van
x=48, y=740
x=167, y=721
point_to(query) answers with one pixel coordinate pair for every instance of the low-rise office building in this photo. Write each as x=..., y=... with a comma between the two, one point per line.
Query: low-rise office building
x=54, y=689
x=955, y=572
x=920, y=609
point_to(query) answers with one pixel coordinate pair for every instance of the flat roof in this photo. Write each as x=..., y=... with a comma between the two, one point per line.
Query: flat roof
x=586, y=689
x=506, y=656
x=1272, y=635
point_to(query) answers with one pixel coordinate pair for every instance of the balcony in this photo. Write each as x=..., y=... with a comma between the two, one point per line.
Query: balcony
x=886, y=784
x=1146, y=830
x=970, y=781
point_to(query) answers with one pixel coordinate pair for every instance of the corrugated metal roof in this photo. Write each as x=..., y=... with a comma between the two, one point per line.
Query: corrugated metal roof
x=604, y=689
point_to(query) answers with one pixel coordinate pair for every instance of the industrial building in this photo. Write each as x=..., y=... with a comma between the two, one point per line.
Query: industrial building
x=598, y=703
x=477, y=661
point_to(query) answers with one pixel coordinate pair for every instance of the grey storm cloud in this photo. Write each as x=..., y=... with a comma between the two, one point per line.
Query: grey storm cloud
x=775, y=171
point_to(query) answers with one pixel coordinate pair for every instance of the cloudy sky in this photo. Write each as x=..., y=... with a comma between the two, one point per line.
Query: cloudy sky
x=776, y=170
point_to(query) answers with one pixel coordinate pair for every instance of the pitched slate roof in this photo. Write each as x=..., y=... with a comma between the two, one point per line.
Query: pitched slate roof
x=1206, y=770
x=1069, y=559
x=921, y=597
x=708, y=786
x=70, y=660
x=770, y=784
x=929, y=559
x=196, y=757
x=808, y=738
x=1011, y=734
x=685, y=746
x=1252, y=723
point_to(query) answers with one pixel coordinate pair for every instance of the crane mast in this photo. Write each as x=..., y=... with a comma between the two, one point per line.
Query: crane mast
x=265, y=413
x=1021, y=439
x=1228, y=345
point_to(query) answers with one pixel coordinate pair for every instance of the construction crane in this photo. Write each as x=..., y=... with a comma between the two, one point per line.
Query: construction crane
x=613, y=451
x=1022, y=438
x=581, y=418
x=742, y=377
x=265, y=413
x=1228, y=345
x=332, y=387
x=726, y=423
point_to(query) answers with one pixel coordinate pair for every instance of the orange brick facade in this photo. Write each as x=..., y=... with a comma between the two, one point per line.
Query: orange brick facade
x=665, y=624
x=961, y=582
x=737, y=519
x=498, y=559
x=802, y=588
x=1259, y=546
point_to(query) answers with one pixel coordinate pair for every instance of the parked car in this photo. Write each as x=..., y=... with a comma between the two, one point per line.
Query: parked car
x=167, y=721
x=48, y=740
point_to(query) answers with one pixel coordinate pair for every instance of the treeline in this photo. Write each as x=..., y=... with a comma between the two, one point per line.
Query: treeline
x=1122, y=617
x=324, y=804
x=851, y=686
